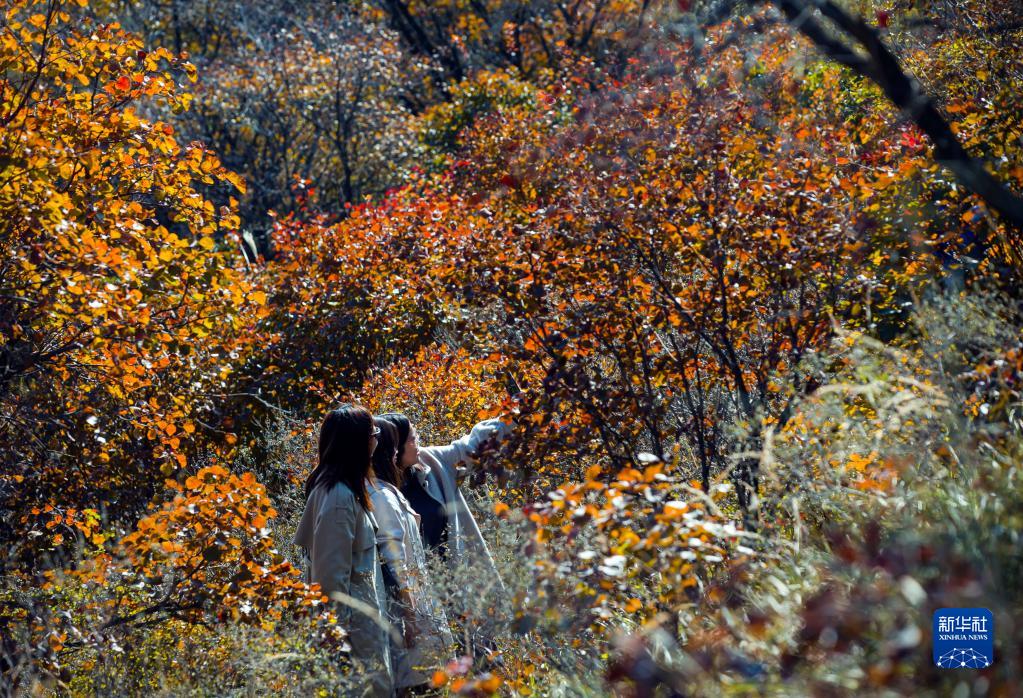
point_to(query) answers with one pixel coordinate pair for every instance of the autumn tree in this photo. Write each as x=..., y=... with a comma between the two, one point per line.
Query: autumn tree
x=349, y=296
x=116, y=272
x=667, y=252
x=304, y=106
x=667, y=246
x=658, y=260
x=464, y=37
x=969, y=45
x=205, y=556
x=208, y=554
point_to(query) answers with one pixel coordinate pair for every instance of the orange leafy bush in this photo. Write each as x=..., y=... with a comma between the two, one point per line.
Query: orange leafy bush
x=209, y=550
x=117, y=270
x=654, y=543
x=445, y=391
x=347, y=296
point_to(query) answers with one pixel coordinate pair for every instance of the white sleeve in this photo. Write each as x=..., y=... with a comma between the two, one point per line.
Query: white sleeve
x=462, y=450
x=390, y=535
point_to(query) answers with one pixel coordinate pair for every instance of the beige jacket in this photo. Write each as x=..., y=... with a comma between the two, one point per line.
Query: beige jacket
x=339, y=539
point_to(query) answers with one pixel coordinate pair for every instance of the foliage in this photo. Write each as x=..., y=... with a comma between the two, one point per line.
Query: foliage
x=443, y=391
x=316, y=105
x=463, y=36
x=116, y=271
x=654, y=300
x=209, y=550
x=891, y=494
x=220, y=660
x=305, y=104
x=204, y=557
x=441, y=125
x=759, y=346
x=344, y=297
x=882, y=502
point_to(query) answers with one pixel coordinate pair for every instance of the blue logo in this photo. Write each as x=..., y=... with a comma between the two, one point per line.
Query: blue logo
x=963, y=638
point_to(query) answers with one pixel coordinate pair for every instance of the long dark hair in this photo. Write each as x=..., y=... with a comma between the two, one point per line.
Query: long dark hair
x=402, y=425
x=344, y=452
x=387, y=457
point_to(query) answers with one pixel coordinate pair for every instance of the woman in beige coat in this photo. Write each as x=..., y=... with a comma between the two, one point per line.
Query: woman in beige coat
x=413, y=606
x=338, y=533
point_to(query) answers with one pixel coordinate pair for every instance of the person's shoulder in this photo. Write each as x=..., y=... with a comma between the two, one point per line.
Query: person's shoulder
x=385, y=493
x=339, y=495
x=428, y=460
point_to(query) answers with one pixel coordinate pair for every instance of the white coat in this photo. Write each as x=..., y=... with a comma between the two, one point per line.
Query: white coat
x=438, y=471
x=401, y=547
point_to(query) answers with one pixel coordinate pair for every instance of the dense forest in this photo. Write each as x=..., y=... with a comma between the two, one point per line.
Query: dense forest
x=742, y=276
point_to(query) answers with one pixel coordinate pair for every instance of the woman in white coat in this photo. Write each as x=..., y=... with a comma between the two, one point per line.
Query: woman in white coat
x=447, y=525
x=413, y=606
x=338, y=533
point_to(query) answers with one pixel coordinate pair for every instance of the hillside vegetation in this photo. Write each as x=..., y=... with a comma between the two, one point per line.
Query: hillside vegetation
x=745, y=277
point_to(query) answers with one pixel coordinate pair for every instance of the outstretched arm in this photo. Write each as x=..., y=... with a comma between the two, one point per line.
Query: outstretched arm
x=465, y=449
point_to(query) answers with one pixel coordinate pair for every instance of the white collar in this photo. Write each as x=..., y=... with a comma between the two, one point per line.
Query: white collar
x=422, y=471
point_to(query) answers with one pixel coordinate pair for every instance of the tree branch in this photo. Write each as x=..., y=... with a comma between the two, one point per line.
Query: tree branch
x=882, y=67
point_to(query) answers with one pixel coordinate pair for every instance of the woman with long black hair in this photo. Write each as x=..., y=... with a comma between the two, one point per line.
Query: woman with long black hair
x=338, y=533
